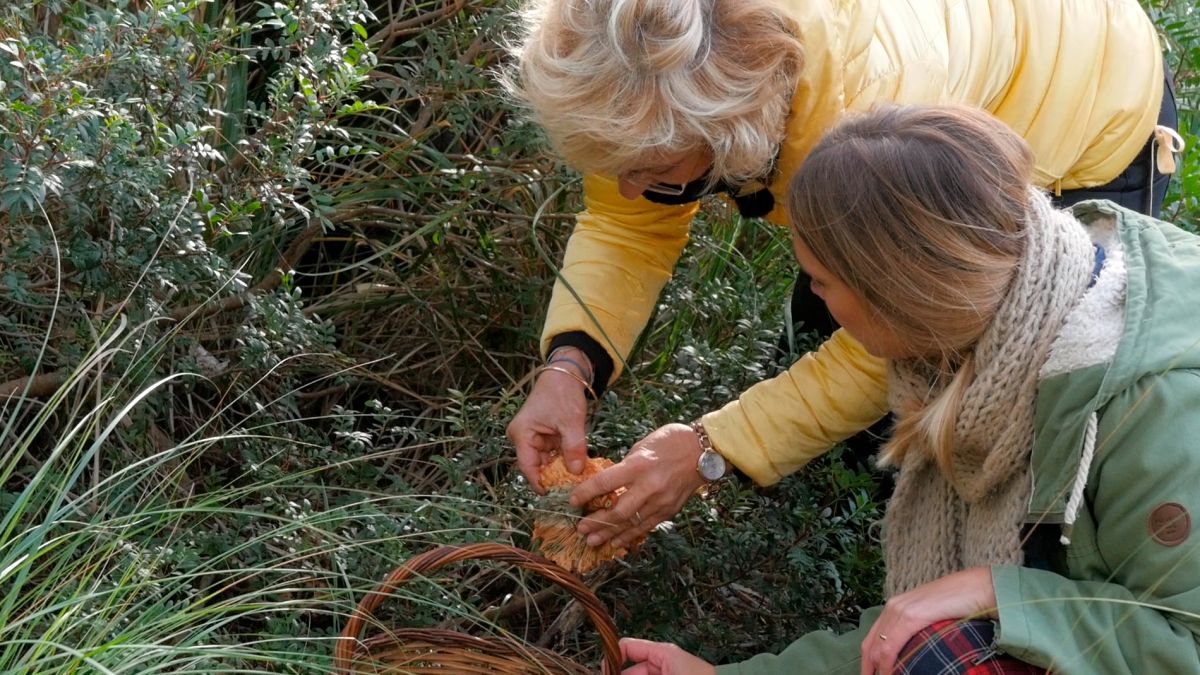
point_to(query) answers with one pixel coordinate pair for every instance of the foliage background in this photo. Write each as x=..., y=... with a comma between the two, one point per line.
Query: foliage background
x=271, y=276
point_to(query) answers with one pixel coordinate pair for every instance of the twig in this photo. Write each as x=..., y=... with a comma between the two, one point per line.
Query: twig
x=414, y=25
x=521, y=603
x=39, y=385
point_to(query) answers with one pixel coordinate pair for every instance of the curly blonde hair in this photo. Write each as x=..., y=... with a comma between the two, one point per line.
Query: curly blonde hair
x=617, y=84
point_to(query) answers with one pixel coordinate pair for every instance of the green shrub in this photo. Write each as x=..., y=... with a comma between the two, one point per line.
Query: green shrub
x=123, y=198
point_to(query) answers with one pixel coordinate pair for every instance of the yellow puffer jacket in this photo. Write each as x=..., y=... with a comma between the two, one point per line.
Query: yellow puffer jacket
x=1081, y=80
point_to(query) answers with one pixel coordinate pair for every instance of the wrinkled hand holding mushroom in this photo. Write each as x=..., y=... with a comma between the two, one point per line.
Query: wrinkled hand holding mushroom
x=554, y=530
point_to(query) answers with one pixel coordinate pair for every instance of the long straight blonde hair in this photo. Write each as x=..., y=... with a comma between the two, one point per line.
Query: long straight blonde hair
x=922, y=212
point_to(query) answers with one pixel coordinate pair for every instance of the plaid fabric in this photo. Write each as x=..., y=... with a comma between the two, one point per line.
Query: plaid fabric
x=959, y=648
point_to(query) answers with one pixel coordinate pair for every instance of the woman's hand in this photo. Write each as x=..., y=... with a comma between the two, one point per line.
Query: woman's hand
x=659, y=475
x=552, y=421
x=963, y=595
x=661, y=658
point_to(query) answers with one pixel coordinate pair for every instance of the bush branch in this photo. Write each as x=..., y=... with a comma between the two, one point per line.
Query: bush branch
x=286, y=262
x=39, y=385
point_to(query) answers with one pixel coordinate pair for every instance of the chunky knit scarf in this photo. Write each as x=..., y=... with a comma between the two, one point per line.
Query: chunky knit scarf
x=937, y=524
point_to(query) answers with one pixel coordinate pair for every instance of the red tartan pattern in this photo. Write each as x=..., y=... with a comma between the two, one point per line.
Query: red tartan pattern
x=959, y=647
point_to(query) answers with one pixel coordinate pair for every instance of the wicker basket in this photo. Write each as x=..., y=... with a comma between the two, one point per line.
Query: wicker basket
x=445, y=652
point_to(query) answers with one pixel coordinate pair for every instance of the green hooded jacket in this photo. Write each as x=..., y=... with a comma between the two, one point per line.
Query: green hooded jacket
x=1124, y=595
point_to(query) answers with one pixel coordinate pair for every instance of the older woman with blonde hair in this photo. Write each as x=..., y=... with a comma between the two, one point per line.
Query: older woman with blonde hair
x=1044, y=369
x=651, y=92
x=660, y=102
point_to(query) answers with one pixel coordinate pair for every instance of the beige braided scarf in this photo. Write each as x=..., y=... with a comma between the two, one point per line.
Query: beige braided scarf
x=938, y=524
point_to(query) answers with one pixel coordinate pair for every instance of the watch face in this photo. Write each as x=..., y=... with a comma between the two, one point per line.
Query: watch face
x=712, y=465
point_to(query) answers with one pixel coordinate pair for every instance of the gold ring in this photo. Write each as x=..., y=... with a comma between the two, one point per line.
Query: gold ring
x=883, y=637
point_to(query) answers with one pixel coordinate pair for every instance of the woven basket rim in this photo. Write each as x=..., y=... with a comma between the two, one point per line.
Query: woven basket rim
x=504, y=654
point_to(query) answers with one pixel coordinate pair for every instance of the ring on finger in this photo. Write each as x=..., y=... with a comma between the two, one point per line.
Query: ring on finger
x=637, y=518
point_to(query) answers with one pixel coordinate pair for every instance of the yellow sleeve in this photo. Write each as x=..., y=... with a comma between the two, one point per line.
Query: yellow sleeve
x=618, y=259
x=779, y=425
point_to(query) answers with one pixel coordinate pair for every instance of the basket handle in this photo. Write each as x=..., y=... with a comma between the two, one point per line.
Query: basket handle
x=431, y=560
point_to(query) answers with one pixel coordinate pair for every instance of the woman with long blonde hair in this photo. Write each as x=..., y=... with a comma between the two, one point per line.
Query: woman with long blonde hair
x=1044, y=370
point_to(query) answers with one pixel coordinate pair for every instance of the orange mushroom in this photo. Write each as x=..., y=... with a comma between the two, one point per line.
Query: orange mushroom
x=554, y=530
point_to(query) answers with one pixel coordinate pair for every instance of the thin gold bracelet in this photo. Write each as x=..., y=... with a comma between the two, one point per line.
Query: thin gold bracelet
x=583, y=372
x=586, y=385
x=585, y=368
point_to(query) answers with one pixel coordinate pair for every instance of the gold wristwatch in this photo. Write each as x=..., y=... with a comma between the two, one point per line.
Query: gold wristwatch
x=711, y=466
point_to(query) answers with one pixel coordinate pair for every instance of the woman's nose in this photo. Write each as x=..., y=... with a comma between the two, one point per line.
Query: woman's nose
x=631, y=189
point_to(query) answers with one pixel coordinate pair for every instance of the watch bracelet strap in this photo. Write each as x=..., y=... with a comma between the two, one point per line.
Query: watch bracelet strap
x=709, y=488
